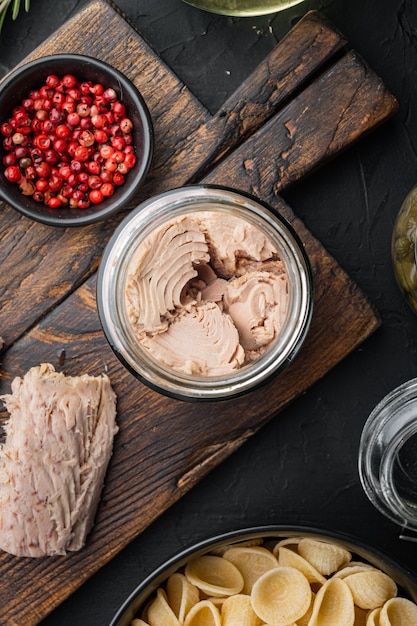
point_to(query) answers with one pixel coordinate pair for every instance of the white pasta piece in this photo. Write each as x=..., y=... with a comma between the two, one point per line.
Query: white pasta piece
x=371, y=588
x=373, y=617
x=333, y=605
x=305, y=619
x=281, y=596
x=289, y=542
x=160, y=613
x=237, y=611
x=214, y=575
x=325, y=557
x=398, y=612
x=182, y=595
x=138, y=622
x=204, y=613
x=354, y=567
x=252, y=562
x=289, y=558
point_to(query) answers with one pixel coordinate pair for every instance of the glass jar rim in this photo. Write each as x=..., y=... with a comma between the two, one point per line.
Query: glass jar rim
x=139, y=224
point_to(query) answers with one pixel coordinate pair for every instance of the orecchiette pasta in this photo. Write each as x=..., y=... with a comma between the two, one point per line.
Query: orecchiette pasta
x=182, y=595
x=333, y=605
x=237, y=610
x=159, y=611
x=281, y=595
x=296, y=581
x=252, y=562
x=292, y=559
x=203, y=613
x=325, y=557
x=398, y=612
x=371, y=588
x=214, y=575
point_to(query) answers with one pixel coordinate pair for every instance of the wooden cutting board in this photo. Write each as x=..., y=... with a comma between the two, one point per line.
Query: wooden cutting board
x=310, y=99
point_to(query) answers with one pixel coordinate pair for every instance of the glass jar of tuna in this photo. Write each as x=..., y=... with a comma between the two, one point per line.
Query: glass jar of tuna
x=205, y=292
x=403, y=248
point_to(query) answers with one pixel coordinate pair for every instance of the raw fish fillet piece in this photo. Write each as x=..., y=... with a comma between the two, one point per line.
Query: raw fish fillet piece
x=201, y=340
x=59, y=439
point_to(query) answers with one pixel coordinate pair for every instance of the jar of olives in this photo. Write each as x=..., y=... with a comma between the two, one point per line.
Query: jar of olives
x=243, y=8
x=403, y=248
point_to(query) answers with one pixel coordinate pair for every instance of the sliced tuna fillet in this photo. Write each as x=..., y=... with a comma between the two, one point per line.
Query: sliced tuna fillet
x=201, y=340
x=206, y=293
x=59, y=440
x=207, y=286
x=164, y=265
x=232, y=238
x=257, y=303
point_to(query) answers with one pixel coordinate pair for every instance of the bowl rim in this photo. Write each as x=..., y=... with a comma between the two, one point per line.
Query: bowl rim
x=147, y=149
x=403, y=576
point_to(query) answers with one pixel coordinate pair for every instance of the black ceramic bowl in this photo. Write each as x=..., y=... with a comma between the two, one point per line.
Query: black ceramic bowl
x=406, y=580
x=31, y=75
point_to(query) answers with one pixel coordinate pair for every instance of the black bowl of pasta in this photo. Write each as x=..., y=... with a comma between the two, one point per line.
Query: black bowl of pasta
x=275, y=575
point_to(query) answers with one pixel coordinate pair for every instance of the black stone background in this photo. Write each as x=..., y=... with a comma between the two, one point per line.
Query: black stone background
x=302, y=467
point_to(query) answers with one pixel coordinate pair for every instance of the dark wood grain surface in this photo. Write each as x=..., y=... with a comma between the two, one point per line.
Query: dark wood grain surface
x=309, y=100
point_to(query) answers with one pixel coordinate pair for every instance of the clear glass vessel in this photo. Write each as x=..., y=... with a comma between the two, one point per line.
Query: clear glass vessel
x=388, y=456
x=243, y=8
x=112, y=288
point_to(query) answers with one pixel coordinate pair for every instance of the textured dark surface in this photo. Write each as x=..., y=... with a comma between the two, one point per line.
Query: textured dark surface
x=302, y=466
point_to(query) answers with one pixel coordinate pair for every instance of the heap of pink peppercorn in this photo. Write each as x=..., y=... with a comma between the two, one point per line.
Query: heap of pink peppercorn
x=69, y=143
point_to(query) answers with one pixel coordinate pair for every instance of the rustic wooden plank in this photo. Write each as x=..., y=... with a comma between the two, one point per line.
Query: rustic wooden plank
x=297, y=59
x=188, y=140
x=158, y=456
x=343, y=104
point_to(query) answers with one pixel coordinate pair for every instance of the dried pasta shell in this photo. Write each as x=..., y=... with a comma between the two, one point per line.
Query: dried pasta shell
x=214, y=575
x=138, y=622
x=159, y=611
x=289, y=542
x=216, y=600
x=373, y=617
x=305, y=619
x=251, y=562
x=204, y=613
x=371, y=588
x=237, y=611
x=333, y=605
x=288, y=558
x=182, y=595
x=398, y=612
x=281, y=596
x=325, y=557
x=354, y=567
